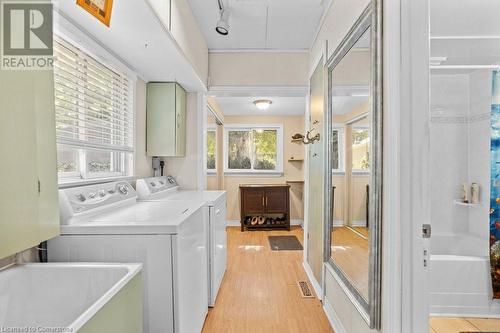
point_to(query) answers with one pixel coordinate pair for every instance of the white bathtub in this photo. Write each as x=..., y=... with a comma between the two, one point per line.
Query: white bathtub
x=460, y=281
x=66, y=296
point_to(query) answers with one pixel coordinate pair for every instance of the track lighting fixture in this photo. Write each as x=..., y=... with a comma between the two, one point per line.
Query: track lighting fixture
x=223, y=22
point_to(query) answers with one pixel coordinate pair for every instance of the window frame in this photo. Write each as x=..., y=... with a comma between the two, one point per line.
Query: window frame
x=82, y=174
x=341, y=130
x=211, y=128
x=365, y=127
x=250, y=127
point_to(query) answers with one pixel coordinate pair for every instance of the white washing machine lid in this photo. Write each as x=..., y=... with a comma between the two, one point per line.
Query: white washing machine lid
x=209, y=198
x=138, y=218
x=166, y=188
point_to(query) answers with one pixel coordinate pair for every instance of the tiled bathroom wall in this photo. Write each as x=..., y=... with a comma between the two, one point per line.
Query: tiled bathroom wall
x=460, y=135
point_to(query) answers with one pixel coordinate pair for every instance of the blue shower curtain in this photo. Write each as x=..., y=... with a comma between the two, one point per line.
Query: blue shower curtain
x=495, y=186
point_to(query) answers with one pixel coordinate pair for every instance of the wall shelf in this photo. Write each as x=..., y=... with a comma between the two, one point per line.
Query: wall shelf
x=295, y=182
x=459, y=202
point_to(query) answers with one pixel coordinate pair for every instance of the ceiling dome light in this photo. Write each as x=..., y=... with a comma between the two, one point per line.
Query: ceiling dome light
x=263, y=104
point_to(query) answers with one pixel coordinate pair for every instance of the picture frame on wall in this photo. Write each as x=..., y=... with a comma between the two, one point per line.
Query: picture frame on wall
x=100, y=9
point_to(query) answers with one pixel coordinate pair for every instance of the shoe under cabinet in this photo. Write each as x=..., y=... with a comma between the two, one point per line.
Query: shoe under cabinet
x=265, y=206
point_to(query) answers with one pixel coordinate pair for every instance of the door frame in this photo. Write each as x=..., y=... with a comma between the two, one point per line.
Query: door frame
x=319, y=286
x=414, y=149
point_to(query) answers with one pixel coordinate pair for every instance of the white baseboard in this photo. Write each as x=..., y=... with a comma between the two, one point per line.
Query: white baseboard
x=332, y=317
x=338, y=223
x=317, y=288
x=233, y=223
x=359, y=223
x=236, y=223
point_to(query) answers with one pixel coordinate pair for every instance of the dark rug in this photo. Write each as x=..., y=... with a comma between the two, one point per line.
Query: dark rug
x=284, y=243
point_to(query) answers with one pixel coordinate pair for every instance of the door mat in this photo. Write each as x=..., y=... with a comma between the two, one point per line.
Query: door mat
x=284, y=243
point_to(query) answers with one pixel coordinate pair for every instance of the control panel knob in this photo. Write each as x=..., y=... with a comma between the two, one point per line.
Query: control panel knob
x=92, y=195
x=102, y=193
x=81, y=197
x=152, y=184
x=123, y=189
x=111, y=191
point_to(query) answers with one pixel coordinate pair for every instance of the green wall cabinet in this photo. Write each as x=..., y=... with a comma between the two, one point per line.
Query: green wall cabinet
x=29, y=212
x=166, y=119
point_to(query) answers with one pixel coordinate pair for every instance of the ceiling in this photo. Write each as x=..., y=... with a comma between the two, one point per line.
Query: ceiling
x=261, y=24
x=464, y=33
x=159, y=61
x=281, y=106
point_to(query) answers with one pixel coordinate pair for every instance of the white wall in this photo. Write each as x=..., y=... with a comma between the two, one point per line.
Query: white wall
x=258, y=69
x=460, y=141
x=479, y=151
x=449, y=153
x=187, y=170
x=143, y=163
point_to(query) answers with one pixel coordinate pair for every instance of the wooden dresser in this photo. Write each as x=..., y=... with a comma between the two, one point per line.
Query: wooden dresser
x=270, y=204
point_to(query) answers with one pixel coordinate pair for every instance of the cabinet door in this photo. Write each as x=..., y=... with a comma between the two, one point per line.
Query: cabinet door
x=161, y=114
x=180, y=119
x=27, y=143
x=253, y=201
x=48, y=198
x=276, y=200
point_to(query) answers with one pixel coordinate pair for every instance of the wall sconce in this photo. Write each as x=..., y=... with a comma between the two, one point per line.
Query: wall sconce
x=307, y=139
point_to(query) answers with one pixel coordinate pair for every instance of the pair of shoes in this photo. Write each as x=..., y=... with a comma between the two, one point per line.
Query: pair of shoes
x=260, y=220
x=254, y=220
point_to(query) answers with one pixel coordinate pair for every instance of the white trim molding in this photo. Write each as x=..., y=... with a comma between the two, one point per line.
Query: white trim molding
x=317, y=287
x=334, y=320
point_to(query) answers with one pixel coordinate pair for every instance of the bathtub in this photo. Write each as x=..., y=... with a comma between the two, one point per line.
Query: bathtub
x=460, y=282
x=71, y=298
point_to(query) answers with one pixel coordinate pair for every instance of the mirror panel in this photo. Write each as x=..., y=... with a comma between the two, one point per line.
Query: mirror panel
x=350, y=96
x=355, y=143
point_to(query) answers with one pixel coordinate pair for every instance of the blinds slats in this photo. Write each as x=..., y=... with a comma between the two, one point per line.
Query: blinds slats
x=93, y=103
x=78, y=85
x=78, y=116
x=116, y=130
x=88, y=108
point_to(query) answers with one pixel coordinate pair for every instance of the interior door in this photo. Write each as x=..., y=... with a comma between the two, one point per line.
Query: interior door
x=316, y=172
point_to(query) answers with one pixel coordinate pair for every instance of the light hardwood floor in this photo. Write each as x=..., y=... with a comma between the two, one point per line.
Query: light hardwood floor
x=350, y=252
x=259, y=292
x=458, y=325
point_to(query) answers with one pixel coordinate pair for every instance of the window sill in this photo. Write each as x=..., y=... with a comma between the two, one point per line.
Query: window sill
x=81, y=182
x=272, y=174
x=361, y=172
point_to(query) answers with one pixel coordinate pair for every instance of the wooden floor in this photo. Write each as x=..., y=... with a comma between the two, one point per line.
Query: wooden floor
x=348, y=248
x=259, y=292
x=458, y=325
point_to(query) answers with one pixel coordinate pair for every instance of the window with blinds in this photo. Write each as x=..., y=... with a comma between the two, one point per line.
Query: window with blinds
x=94, y=116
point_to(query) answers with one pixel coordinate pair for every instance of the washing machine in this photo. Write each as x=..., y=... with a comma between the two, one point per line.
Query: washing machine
x=105, y=223
x=166, y=189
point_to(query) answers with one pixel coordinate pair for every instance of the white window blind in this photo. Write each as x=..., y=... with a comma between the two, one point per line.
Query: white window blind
x=94, y=115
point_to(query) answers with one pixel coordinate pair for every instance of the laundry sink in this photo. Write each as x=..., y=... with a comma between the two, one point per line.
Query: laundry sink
x=71, y=297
